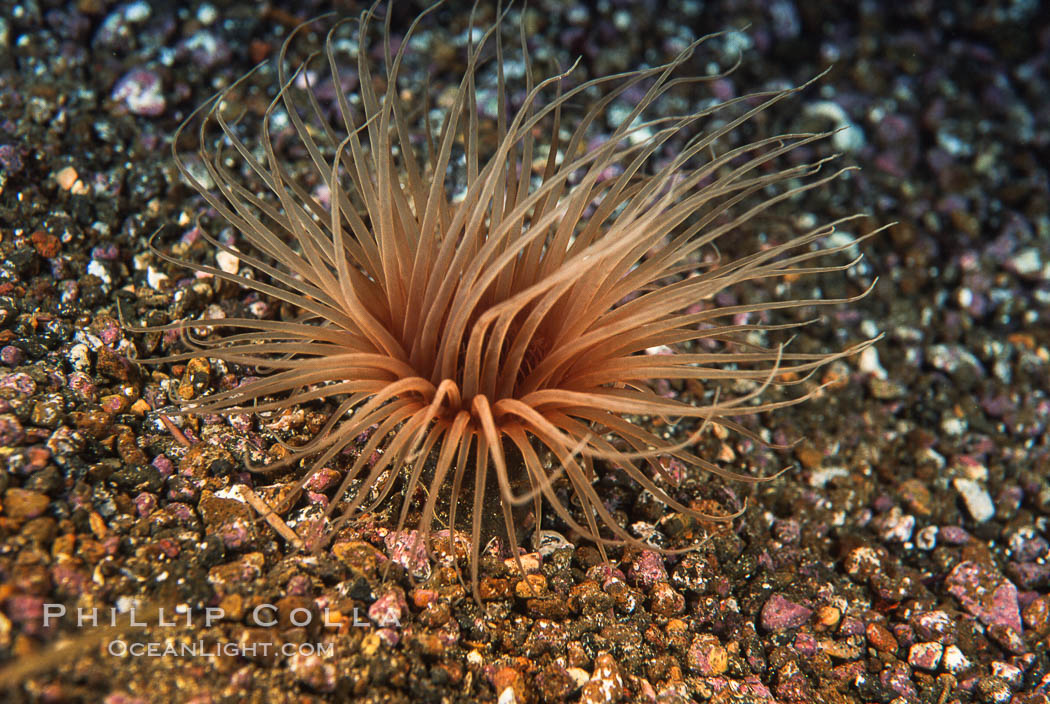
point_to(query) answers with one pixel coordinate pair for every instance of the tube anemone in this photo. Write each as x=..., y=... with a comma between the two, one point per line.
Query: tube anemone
x=481, y=318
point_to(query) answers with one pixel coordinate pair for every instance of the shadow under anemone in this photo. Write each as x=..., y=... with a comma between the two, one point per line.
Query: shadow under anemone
x=485, y=320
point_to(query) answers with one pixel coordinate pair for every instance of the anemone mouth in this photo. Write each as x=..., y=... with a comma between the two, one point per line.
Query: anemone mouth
x=512, y=313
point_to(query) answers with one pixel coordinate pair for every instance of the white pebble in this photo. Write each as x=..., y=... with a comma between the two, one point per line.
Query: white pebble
x=820, y=477
x=227, y=261
x=896, y=526
x=207, y=14
x=95, y=268
x=579, y=676
x=869, y=363
x=954, y=660
x=931, y=455
x=80, y=358
x=137, y=12
x=156, y=279
x=976, y=497
x=926, y=539
x=1028, y=262
x=214, y=312
x=848, y=136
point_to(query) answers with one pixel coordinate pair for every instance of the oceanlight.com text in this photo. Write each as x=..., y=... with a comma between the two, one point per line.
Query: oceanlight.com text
x=199, y=649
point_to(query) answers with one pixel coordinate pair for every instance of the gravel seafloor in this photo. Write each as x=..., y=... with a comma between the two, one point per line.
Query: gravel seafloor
x=903, y=558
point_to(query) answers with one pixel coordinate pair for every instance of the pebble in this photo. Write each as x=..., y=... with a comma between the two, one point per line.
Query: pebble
x=1013, y=675
x=916, y=496
x=157, y=279
x=993, y=690
x=926, y=539
x=80, y=358
x=493, y=588
x=230, y=519
x=986, y=594
x=407, y=549
x=323, y=479
x=779, y=614
x=207, y=14
x=510, y=684
x=114, y=365
x=21, y=383
x=793, y=685
x=894, y=525
x=11, y=431
x=579, y=676
x=142, y=92
x=532, y=585
x=205, y=49
x=933, y=625
x=1008, y=638
x=1028, y=262
x=881, y=638
x=195, y=378
x=46, y=244
x=954, y=660
x=1030, y=575
x=665, y=601
x=955, y=360
x=828, y=616
x=848, y=137
x=11, y=355
x=707, y=656
x=315, y=672
x=886, y=389
x=83, y=387
x=390, y=609
x=863, y=561
x=68, y=180
x=12, y=156
x=145, y=503
x=22, y=505
x=925, y=656
x=360, y=557
x=136, y=12
x=820, y=477
x=954, y=535
x=868, y=363
x=114, y=404
x=805, y=644
x=530, y=562
x=897, y=679
x=555, y=682
x=647, y=569
x=848, y=648
x=976, y=498
x=606, y=684
x=227, y=261
x=46, y=411
x=1036, y=615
